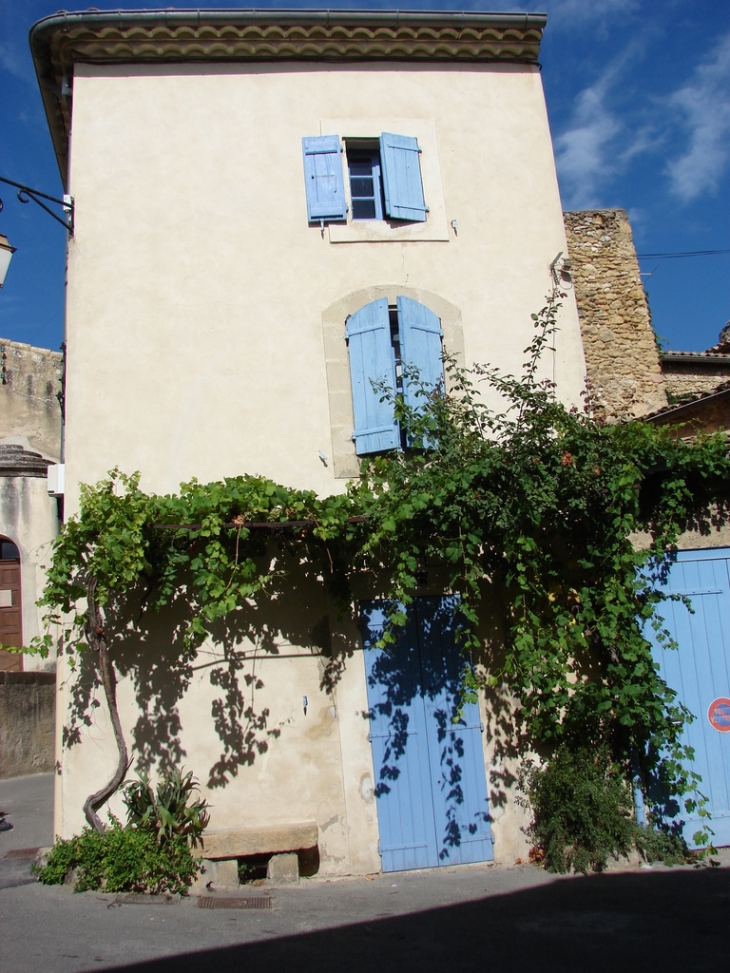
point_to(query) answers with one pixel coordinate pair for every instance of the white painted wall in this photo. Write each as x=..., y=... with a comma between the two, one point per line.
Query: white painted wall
x=196, y=286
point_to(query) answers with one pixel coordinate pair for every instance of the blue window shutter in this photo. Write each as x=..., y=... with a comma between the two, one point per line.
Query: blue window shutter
x=420, y=347
x=420, y=335
x=402, y=186
x=323, y=178
x=372, y=360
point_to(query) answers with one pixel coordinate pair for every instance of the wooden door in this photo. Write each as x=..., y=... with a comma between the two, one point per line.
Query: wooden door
x=430, y=784
x=699, y=670
x=11, y=632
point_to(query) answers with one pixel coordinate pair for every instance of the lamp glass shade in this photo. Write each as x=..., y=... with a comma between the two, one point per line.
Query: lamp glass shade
x=6, y=252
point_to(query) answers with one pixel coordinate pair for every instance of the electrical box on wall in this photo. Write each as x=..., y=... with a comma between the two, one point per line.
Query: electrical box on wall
x=56, y=479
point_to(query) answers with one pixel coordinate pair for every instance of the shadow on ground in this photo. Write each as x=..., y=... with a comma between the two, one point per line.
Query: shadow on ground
x=668, y=920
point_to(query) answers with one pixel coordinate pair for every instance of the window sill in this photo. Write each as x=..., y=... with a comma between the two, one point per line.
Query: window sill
x=388, y=231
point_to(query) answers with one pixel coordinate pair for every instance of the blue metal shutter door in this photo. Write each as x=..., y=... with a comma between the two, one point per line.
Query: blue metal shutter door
x=400, y=748
x=402, y=185
x=430, y=776
x=456, y=753
x=699, y=670
x=372, y=361
x=323, y=178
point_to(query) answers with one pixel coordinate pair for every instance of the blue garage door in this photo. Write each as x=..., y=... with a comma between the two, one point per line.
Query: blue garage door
x=700, y=672
x=431, y=786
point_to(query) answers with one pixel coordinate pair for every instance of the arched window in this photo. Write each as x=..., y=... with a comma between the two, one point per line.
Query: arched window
x=11, y=629
x=384, y=342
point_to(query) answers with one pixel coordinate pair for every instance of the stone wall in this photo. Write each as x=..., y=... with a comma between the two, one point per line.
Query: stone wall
x=684, y=380
x=27, y=723
x=622, y=359
x=30, y=380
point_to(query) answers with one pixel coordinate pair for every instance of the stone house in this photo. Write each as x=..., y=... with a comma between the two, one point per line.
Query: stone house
x=271, y=209
x=688, y=392
x=30, y=443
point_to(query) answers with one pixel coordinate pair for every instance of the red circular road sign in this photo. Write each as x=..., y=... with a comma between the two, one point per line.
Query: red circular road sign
x=718, y=713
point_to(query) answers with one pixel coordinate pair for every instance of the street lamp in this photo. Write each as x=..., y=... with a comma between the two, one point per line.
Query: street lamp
x=6, y=252
x=25, y=194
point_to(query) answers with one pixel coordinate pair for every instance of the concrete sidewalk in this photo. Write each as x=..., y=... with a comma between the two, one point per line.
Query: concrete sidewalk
x=473, y=918
x=28, y=806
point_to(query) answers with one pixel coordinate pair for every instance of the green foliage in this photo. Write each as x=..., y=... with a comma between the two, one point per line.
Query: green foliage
x=168, y=812
x=582, y=810
x=123, y=859
x=520, y=498
x=152, y=853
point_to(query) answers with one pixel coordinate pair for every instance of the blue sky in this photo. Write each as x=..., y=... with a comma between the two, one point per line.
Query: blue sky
x=638, y=93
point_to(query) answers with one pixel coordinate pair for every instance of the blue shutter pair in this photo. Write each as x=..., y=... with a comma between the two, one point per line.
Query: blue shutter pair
x=401, y=168
x=372, y=367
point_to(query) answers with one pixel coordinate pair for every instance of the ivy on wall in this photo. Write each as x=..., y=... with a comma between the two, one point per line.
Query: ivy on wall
x=570, y=520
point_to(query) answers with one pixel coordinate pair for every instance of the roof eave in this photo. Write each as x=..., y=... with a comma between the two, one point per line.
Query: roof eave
x=62, y=40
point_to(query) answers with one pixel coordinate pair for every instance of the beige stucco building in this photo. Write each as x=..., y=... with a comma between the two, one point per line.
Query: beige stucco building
x=212, y=281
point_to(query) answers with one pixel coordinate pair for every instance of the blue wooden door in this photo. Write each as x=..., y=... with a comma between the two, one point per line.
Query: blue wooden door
x=431, y=786
x=700, y=673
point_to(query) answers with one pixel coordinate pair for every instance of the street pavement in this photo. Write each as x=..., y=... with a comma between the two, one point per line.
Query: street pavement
x=470, y=918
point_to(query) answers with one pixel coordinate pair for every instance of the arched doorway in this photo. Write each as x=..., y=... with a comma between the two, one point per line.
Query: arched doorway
x=11, y=627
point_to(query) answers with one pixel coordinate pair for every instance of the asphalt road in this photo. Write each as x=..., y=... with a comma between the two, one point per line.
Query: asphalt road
x=462, y=919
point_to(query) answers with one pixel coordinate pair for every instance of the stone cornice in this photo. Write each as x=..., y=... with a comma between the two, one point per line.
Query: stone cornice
x=154, y=36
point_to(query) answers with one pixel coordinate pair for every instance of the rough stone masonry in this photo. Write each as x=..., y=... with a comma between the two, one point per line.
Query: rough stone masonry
x=622, y=359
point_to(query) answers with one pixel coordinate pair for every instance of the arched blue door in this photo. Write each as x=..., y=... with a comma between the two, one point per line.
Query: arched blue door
x=430, y=782
x=700, y=673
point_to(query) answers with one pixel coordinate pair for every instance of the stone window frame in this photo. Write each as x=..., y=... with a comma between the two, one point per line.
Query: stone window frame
x=345, y=462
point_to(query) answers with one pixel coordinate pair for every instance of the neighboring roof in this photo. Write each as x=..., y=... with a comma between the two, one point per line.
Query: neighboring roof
x=675, y=410
x=123, y=36
x=18, y=461
x=719, y=354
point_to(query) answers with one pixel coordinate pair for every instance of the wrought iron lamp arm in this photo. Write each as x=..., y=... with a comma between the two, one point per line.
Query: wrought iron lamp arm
x=25, y=193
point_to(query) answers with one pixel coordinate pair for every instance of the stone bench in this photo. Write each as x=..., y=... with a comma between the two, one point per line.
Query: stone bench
x=222, y=849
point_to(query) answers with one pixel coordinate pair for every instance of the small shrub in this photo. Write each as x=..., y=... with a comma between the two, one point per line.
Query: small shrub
x=151, y=853
x=582, y=811
x=169, y=811
x=657, y=843
x=123, y=859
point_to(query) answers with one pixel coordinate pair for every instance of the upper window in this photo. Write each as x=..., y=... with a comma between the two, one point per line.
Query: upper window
x=381, y=341
x=366, y=184
x=384, y=178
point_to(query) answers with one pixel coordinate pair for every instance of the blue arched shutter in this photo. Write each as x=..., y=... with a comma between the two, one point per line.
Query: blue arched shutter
x=372, y=360
x=323, y=178
x=420, y=348
x=402, y=186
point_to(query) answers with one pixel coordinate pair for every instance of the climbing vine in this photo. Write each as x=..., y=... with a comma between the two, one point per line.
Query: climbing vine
x=561, y=522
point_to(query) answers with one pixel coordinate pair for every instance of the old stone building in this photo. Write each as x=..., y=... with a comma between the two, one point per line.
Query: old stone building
x=689, y=393
x=30, y=442
x=629, y=375
x=624, y=372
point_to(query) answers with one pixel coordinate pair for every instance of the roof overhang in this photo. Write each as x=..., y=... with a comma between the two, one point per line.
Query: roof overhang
x=682, y=410
x=153, y=36
x=695, y=358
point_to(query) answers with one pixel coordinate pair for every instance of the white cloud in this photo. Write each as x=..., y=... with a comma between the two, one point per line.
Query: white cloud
x=581, y=153
x=704, y=106
x=598, y=144
x=13, y=61
x=582, y=10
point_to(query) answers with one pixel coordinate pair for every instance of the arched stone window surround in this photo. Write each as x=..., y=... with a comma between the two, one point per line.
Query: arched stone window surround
x=344, y=460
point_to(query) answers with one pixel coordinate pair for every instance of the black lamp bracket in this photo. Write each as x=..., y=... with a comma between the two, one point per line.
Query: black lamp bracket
x=25, y=194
